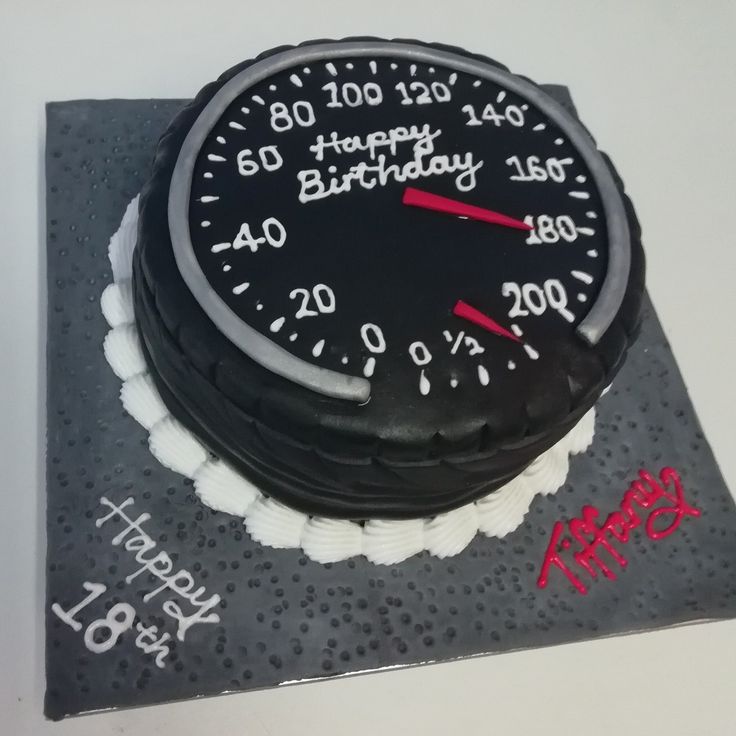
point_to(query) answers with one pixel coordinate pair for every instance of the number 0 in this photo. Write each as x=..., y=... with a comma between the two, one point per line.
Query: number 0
x=373, y=338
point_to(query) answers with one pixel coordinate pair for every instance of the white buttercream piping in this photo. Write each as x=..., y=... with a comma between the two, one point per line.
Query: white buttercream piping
x=548, y=472
x=271, y=523
x=123, y=352
x=331, y=540
x=176, y=448
x=221, y=488
x=387, y=541
x=450, y=533
x=122, y=244
x=117, y=304
x=383, y=542
x=501, y=512
x=142, y=401
x=580, y=436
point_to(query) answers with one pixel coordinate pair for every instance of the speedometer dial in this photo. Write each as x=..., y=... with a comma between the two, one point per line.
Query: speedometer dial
x=313, y=217
x=384, y=250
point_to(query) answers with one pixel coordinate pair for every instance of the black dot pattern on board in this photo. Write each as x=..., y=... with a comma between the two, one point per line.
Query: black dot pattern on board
x=283, y=617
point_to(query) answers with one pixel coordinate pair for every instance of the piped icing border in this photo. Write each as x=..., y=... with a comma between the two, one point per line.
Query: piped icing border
x=271, y=523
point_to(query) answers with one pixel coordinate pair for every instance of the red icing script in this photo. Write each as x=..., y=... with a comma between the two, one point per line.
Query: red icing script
x=658, y=504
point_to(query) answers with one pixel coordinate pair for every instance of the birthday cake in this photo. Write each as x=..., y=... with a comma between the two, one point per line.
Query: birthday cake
x=370, y=295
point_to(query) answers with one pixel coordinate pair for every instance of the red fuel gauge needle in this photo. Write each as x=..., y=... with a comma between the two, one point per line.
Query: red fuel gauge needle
x=465, y=311
x=428, y=201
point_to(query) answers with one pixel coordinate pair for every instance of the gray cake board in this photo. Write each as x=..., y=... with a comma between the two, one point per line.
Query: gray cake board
x=283, y=618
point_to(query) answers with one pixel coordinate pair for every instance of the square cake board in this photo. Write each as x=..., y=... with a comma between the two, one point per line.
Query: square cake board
x=283, y=618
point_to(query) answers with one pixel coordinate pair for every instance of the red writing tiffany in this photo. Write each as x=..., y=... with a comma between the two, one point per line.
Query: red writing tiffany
x=658, y=504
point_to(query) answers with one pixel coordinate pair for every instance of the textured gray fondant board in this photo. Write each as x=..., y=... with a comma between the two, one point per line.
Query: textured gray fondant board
x=282, y=617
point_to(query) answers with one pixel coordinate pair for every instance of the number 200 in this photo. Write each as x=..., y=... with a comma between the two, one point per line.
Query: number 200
x=536, y=299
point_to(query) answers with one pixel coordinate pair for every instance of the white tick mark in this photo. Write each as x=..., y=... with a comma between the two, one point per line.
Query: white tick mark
x=538, y=127
x=344, y=360
x=592, y=253
x=245, y=110
x=293, y=337
x=373, y=66
x=483, y=376
x=215, y=157
x=331, y=68
x=306, y=70
x=511, y=365
x=454, y=382
x=318, y=348
x=559, y=141
x=369, y=367
x=579, y=195
x=236, y=126
x=394, y=66
x=452, y=79
x=207, y=198
x=208, y=175
x=205, y=223
x=226, y=267
x=580, y=179
x=413, y=70
x=525, y=107
x=586, y=278
x=516, y=330
x=272, y=87
x=221, y=140
x=582, y=298
x=258, y=99
x=477, y=83
x=296, y=81
x=424, y=384
x=500, y=97
x=259, y=307
x=531, y=352
x=240, y=288
x=349, y=65
x=219, y=247
x=591, y=215
x=586, y=231
x=277, y=324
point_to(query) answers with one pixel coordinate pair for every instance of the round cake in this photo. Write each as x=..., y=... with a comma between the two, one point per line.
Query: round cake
x=379, y=279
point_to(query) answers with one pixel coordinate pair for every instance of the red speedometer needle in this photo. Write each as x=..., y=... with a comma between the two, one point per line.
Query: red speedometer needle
x=465, y=311
x=428, y=201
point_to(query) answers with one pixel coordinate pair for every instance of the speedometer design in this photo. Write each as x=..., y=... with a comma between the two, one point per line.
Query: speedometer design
x=409, y=249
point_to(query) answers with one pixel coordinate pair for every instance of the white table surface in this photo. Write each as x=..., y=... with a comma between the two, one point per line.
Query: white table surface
x=654, y=80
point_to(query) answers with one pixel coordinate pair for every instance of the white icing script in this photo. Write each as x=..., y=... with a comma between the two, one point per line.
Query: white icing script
x=103, y=633
x=161, y=566
x=423, y=138
x=379, y=171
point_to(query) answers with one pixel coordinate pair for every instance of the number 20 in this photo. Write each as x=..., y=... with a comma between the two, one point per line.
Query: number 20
x=324, y=300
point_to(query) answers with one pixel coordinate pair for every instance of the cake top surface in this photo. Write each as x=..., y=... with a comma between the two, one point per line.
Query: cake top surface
x=302, y=240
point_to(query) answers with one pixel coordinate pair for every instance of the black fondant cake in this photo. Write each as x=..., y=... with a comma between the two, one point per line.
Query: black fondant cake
x=380, y=278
